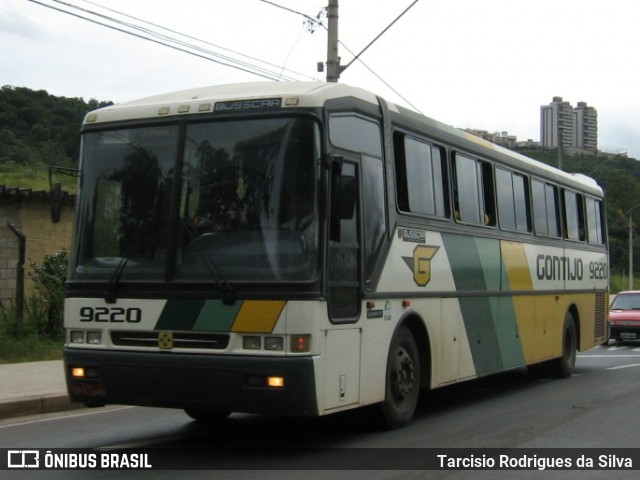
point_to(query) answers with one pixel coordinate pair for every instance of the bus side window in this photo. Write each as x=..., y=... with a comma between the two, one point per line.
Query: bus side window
x=574, y=228
x=421, y=177
x=473, y=191
x=344, y=245
x=545, y=208
x=595, y=222
x=513, y=201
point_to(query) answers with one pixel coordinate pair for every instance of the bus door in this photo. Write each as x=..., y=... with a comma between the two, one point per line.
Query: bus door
x=342, y=343
x=357, y=187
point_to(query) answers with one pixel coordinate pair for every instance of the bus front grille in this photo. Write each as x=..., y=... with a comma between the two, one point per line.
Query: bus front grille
x=154, y=339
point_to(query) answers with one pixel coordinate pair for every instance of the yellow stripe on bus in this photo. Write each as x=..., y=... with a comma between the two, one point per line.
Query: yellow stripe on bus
x=531, y=328
x=515, y=261
x=258, y=316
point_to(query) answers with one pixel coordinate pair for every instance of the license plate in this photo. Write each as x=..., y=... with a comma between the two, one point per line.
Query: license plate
x=628, y=336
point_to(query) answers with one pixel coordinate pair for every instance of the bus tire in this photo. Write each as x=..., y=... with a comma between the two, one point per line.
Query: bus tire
x=402, y=380
x=206, y=416
x=563, y=367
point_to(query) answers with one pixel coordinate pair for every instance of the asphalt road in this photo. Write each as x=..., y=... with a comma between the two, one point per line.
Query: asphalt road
x=594, y=409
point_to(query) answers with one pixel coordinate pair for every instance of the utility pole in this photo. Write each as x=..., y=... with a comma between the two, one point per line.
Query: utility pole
x=333, y=60
x=630, y=250
x=560, y=146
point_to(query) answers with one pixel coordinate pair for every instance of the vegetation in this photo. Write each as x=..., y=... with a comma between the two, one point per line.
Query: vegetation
x=38, y=130
x=27, y=348
x=39, y=334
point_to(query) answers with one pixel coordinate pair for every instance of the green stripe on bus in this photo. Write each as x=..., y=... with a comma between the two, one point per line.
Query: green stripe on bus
x=217, y=317
x=198, y=315
x=508, y=334
x=490, y=322
x=179, y=315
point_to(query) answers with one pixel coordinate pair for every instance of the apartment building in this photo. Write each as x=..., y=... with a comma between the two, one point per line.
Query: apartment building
x=573, y=128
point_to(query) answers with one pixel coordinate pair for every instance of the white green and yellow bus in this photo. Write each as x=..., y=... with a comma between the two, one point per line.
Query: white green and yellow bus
x=309, y=248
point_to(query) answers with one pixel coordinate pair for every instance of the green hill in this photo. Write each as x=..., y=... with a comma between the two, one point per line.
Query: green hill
x=38, y=130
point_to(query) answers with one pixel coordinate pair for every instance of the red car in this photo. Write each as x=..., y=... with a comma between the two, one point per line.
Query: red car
x=624, y=316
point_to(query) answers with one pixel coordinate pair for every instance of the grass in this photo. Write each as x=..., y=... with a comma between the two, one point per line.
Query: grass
x=32, y=344
x=28, y=349
x=35, y=177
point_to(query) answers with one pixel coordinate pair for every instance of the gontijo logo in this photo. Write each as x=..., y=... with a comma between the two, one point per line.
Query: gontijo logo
x=420, y=263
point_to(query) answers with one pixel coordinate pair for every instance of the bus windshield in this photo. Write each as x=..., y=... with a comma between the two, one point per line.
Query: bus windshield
x=245, y=209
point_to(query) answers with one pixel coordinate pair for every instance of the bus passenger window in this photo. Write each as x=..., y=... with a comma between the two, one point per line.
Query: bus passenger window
x=513, y=201
x=421, y=177
x=545, y=208
x=573, y=216
x=473, y=194
x=595, y=224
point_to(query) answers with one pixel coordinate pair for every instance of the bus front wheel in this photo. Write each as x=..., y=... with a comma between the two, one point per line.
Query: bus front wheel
x=402, y=380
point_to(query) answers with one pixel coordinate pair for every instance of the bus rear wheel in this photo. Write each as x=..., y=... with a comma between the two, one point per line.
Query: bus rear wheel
x=563, y=367
x=402, y=380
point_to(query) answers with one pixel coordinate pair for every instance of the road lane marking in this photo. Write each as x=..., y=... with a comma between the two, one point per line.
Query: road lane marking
x=60, y=416
x=607, y=356
x=624, y=366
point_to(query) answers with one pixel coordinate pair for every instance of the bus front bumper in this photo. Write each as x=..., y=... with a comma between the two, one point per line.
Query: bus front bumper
x=209, y=382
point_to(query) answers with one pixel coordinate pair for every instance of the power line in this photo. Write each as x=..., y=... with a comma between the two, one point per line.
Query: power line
x=164, y=40
x=384, y=81
x=379, y=35
x=157, y=37
x=235, y=52
x=316, y=21
x=307, y=17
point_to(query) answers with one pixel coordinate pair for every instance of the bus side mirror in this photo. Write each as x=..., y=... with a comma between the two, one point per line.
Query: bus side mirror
x=55, y=190
x=55, y=198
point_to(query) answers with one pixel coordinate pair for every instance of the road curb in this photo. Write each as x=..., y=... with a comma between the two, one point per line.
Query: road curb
x=36, y=405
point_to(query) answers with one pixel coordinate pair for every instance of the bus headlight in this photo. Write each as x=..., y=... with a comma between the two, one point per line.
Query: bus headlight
x=251, y=343
x=94, y=338
x=297, y=343
x=76, y=336
x=274, y=343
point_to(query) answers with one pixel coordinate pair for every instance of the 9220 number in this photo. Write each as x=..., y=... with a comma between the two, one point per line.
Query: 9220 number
x=111, y=314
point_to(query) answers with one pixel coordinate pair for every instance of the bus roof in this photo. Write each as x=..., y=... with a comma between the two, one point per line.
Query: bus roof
x=257, y=95
x=203, y=99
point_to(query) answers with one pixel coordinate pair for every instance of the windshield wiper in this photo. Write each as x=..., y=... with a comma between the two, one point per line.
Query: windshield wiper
x=228, y=292
x=112, y=286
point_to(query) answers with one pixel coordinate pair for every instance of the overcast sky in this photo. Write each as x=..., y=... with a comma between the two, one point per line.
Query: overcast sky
x=485, y=64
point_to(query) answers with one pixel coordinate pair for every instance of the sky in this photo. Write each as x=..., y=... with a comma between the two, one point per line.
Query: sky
x=486, y=64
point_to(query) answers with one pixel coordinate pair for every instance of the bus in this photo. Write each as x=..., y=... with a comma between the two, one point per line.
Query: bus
x=309, y=248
